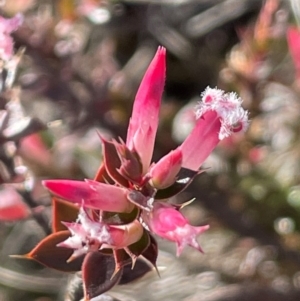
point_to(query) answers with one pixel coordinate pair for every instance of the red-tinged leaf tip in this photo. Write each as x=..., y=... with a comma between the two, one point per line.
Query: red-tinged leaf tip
x=48, y=254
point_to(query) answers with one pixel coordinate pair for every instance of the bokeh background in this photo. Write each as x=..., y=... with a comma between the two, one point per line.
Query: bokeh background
x=79, y=64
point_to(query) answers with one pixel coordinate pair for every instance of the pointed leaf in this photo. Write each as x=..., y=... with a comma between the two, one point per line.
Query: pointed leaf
x=140, y=269
x=184, y=179
x=131, y=166
x=140, y=246
x=97, y=272
x=62, y=211
x=48, y=254
x=151, y=252
x=122, y=259
x=102, y=175
x=112, y=162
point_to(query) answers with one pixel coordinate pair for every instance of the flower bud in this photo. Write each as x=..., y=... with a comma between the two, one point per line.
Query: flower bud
x=164, y=172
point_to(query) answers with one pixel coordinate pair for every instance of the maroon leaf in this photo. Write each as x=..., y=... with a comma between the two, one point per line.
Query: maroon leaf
x=102, y=175
x=112, y=162
x=112, y=218
x=48, y=254
x=62, y=211
x=97, y=272
x=151, y=252
x=131, y=166
x=136, y=249
x=122, y=259
x=140, y=269
x=184, y=179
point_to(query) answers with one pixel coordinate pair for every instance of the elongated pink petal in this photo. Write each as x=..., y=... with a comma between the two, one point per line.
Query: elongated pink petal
x=91, y=194
x=144, y=120
x=164, y=172
x=219, y=115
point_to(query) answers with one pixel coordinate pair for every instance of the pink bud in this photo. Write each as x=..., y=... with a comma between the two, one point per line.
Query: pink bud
x=164, y=172
x=170, y=224
x=91, y=194
x=34, y=149
x=125, y=235
x=144, y=120
x=12, y=206
x=219, y=115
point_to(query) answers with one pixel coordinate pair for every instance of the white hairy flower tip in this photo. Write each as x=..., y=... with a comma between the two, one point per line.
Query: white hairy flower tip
x=228, y=107
x=86, y=234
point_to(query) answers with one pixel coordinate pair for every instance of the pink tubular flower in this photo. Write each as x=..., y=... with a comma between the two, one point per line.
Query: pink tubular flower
x=169, y=223
x=144, y=120
x=218, y=115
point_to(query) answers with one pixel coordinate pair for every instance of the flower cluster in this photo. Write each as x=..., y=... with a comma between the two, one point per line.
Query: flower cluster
x=114, y=216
